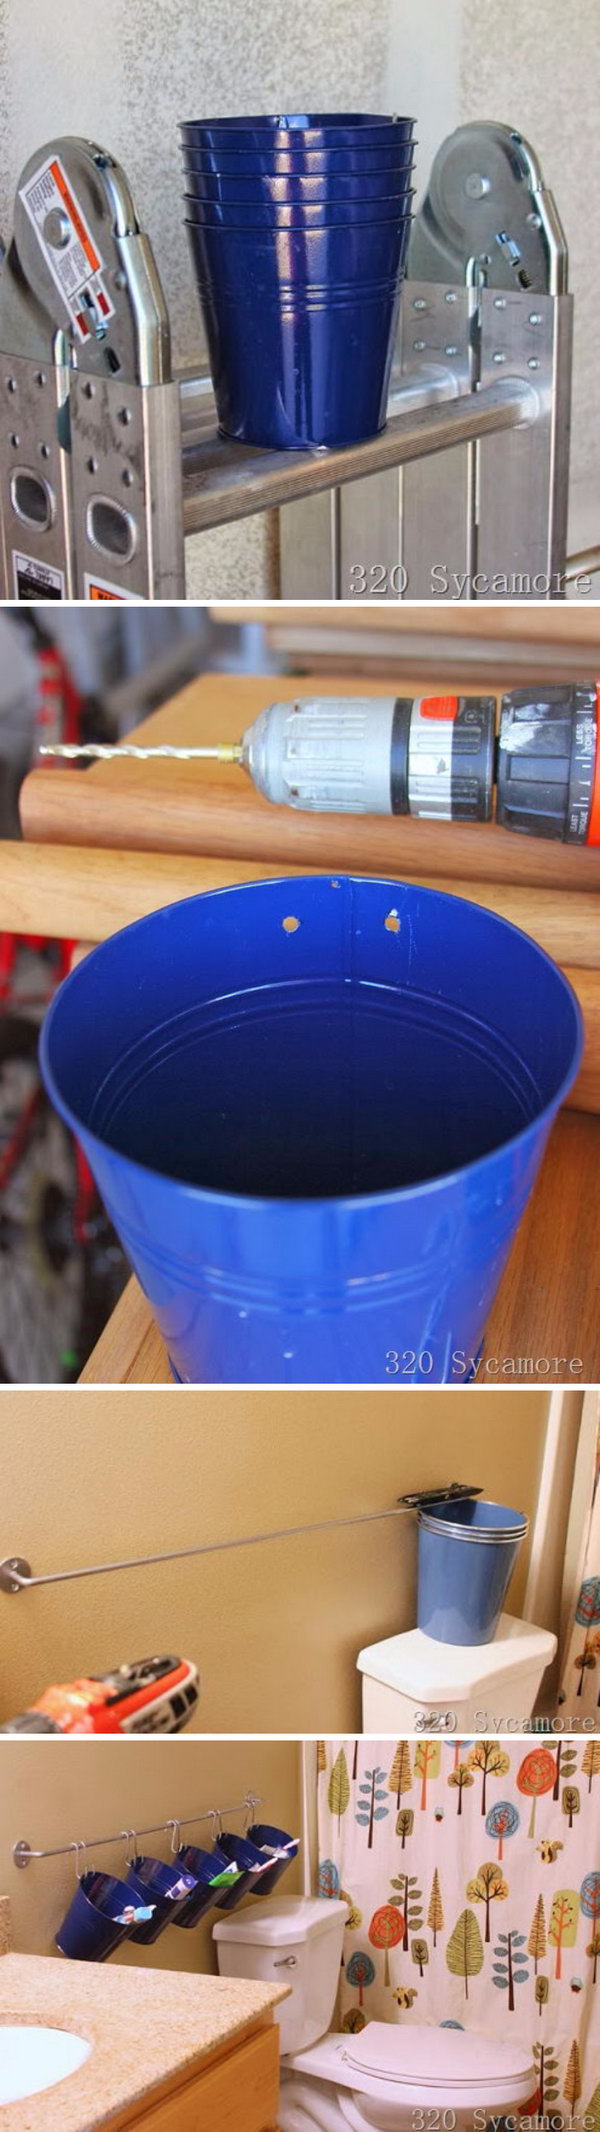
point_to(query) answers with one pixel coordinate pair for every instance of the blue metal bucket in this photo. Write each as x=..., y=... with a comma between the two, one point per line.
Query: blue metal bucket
x=295, y=214
x=293, y=161
x=92, y=1929
x=285, y=263
x=300, y=329
x=263, y=189
x=265, y=1835
x=467, y=1553
x=313, y=129
x=166, y=1887
x=315, y=1110
x=204, y=1865
x=251, y=1864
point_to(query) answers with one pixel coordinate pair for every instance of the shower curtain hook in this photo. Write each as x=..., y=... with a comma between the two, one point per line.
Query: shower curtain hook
x=129, y=1835
x=215, y=1817
x=175, y=1827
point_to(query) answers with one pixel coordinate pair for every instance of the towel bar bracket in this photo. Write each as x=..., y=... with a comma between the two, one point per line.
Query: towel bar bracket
x=15, y=1573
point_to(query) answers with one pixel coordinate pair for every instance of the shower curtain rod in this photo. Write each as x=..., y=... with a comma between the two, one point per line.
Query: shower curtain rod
x=23, y=1853
x=16, y=1574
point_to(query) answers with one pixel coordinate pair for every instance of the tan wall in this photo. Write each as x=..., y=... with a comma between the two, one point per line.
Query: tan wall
x=275, y=1630
x=57, y=1791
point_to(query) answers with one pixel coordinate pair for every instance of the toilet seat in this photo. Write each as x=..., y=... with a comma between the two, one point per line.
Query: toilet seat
x=390, y=2071
x=423, y=2061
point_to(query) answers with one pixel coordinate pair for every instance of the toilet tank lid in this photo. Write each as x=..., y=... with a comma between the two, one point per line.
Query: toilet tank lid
x=285, y=1922
x=434, y=2057
x=432, y=1672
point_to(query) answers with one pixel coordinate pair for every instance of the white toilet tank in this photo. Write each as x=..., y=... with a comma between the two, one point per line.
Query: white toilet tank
x=291, y=1940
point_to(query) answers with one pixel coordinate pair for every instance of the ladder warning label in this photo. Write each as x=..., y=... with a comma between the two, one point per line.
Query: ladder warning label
x=99, y=588
x=68, y=247
x=36, y=581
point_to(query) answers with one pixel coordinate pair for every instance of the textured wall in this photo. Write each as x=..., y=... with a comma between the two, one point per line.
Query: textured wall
x=540, y=70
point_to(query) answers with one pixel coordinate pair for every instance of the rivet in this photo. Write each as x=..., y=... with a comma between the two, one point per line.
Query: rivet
x=499, y=356
x=535, y=318
x=451, y=351
x=532, y=362
x=419, y=303
x=419, y=345
x=499, y=303
x=450, y=296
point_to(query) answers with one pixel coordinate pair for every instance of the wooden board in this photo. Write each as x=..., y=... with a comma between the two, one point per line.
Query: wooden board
x=211, y=809
x=494, y=646
x=49, y=889
x=567, y=622
x=44, y=888
x=547, y=1305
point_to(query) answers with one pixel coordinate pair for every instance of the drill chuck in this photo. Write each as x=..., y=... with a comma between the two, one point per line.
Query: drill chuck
x=549, y=764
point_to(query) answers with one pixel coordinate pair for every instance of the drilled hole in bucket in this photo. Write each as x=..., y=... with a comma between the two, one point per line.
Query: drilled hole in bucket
x=290, y=925
x=392, y=922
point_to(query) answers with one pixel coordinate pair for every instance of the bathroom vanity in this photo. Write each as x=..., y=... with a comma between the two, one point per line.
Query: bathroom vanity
x=169, y=2052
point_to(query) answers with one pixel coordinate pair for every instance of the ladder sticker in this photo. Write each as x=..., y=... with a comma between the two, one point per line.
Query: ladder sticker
x=74, y=262
x=36, y=581
x=99, y=588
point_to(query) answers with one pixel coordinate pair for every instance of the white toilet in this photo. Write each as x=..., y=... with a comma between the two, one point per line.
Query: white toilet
x=386, y=2074
x=466, y=1688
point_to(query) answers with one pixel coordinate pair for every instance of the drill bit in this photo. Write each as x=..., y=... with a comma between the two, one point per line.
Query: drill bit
x=96, y=751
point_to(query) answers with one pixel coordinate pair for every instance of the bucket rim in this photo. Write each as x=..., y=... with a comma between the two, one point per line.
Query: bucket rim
x=352, y=1201
x=485, y=1535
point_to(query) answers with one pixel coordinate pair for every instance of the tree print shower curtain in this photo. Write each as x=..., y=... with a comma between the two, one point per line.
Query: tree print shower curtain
x=472, y=1874
x=580, y=1687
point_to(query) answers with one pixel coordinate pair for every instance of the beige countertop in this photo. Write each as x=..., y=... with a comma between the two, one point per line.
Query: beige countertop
x=146, y=2026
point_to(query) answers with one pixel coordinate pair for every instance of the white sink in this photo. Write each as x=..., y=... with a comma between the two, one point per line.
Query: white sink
x=35, y=2058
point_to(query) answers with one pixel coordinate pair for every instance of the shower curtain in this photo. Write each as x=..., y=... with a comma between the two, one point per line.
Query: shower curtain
x=472, y=1875
x=580, y=1686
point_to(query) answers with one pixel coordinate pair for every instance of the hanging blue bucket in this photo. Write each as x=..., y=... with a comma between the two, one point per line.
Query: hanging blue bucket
x=166, y=1887
x=285, y=1848
x=467, y=1553
x=204, y=1865
x=251, y=1864
x=315, y=1110
x=92, y=1927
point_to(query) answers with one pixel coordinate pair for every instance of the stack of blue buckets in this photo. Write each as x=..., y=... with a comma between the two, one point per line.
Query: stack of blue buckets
x=299, y=229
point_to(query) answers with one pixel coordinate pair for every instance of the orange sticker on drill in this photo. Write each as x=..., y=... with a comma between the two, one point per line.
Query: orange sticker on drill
x=438, y=706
